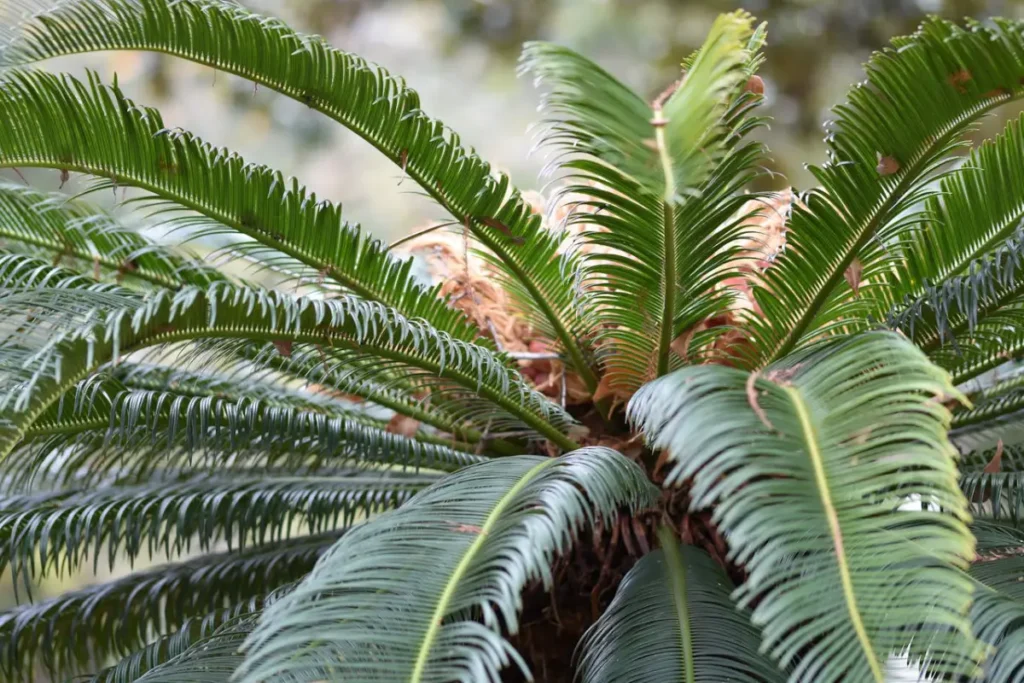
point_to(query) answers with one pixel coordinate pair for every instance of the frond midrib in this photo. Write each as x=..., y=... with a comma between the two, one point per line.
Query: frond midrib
x=810, y=438
x=445, y=600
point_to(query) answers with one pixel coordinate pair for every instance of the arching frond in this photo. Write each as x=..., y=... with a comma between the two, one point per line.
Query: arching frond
x=130, y=145
x=365, y=98
x=672, y=620
x=993, y=480
x=50, y=533
x=68, y=633
x=213, y=659
x=71, y=229
x=808, y=467
x=659, y=184
x=977, y=209
x=997, y=613
x=102, y=427
x=885, y=145
x=465, y=547
x=76, y=339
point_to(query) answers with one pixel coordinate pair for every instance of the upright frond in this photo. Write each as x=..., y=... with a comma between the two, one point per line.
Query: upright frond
x=659, y=185
x=885, y=145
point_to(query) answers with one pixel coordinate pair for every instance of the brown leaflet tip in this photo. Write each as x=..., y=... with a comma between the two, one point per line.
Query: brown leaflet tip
x=887, y=165
x=755, y=84
x=852, y=275
x=468, y=529
x=752, y=400
x=284, y=347
x=995, y=465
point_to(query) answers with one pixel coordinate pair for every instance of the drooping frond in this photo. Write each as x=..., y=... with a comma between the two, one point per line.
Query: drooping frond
x=70, y=632
x=66, y=229
x=50, y=533
x=464, y=548
x=885, y=145
x=672, y=620
x=659, y=185
x=78, y=336
x=365, y=98
x=997, y=614
x=213, y=659
x=102, y=427
x=993, y=481
x=48, y=118
x=352, y=374
x=808, y=468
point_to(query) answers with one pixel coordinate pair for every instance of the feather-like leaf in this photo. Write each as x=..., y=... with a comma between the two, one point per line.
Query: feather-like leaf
x=808, y=468
x=462, y=550
x=672, y=619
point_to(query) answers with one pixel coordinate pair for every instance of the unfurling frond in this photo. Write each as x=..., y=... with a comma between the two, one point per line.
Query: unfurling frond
x=672, y=619
x=808, y=468
x=659, y=187
x=464, y=547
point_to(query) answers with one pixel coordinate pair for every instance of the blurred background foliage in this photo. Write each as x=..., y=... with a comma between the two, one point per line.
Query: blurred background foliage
x=461, y=56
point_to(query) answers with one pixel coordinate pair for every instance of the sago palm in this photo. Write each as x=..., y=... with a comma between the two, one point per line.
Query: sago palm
x=669, y=431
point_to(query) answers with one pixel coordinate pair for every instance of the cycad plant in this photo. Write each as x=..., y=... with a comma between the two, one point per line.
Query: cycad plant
x=671, y=430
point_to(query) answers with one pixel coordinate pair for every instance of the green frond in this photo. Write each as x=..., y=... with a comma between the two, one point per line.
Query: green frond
x=213, y=659
x=69, y=633
x=464, y=548
x=77, y=337
x=661, y=180
x=997, y=613
x=807, y=468
x=129, y=145
x=65, y=229
x=50, y=533
x=997, y=494
x=977, y=209
x=961, y=315
x=102, y=427
x=363, y=97
x=919, y=99
x=352, y=374
x=672, y=620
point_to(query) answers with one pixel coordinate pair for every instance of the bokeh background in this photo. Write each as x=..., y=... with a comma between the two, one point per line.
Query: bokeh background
x=461, y=56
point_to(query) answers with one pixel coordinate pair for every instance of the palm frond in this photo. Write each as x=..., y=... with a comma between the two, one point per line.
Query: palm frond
x=672, y=620
x=67, y=229
x=50, y=533
x=978, y=208
x=77, y=336
x=130, y=145
x=69, y=633
x=808, y=468
x=363, y=97
x=213, y=659
x=102, y=427
x=993, y=480
x=660, y=185
x=886, y=144
x=462, y=549
x=997, y=614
